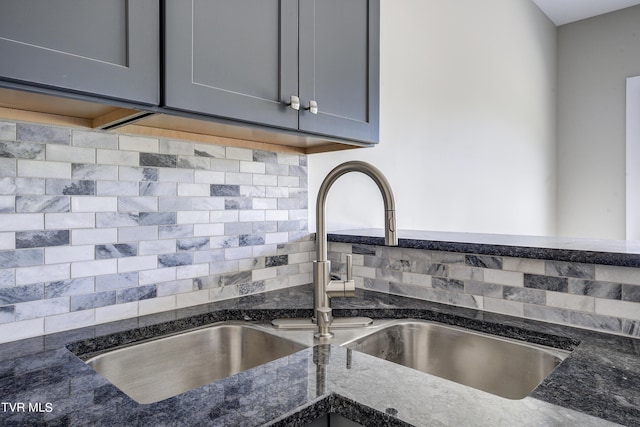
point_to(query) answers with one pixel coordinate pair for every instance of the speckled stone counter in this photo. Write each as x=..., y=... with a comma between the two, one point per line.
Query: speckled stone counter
x=623, y=253
x=598, y=384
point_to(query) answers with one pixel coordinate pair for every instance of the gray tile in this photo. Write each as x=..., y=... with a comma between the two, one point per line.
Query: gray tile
x=376, y=285
x=137, y=293
x=69, y=287
x=117, y=250
x=547, y=314
x=37, y=204
x=39, y=133
x=547, y=283
x=238, y=203
x=21, y=258
x=22, y=150
x=89, y=301
x=631, y=293
x=570, y=269
x=595, y=288
x=38, y=239
x=265, y=156
x=175, y=231
x=277, y=260
x=363, y=250
x=483, y=261
x=231, y=279
x=221, y=190
x=159, y=189
x=7, y=313
x=157, y=218
x=447, y=284
x=631, y=327
x=193, y=244
x=20, y=294
x=174, y=260
x=594, y=321
x=251, y=239
x=251, y=288
x=532, y=296
x=158, y=160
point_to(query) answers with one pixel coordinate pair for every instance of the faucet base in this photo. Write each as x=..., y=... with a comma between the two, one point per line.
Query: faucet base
x=309, y=324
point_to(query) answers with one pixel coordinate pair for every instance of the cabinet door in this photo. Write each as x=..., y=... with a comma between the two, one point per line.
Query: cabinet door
x=233, y=59
x=339, y=67
x=103, y=47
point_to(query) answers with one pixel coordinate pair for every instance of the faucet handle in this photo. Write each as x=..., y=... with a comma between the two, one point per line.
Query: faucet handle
x=349, y=267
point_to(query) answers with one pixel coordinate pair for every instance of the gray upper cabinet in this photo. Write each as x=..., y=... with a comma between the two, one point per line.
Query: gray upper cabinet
x=108, y=48
x=245, y=60
x=339, y=67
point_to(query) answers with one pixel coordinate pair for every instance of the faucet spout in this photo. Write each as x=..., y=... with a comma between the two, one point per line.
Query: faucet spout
x=322, y=266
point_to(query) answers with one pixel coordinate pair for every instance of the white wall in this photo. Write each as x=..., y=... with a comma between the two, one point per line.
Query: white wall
x=467, y=121
x=595, y=58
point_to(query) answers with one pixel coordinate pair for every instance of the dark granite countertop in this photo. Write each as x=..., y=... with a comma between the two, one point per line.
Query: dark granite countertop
x=624, y=253
x=599, y=381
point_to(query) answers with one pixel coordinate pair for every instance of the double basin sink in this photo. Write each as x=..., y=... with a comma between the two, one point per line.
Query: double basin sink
x=164, y=367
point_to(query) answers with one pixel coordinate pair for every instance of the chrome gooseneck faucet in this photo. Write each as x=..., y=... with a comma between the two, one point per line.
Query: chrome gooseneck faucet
x=324, y=287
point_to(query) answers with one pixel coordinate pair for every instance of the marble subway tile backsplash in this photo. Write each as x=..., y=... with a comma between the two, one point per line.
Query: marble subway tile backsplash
x=96, y=226
x=592, y=296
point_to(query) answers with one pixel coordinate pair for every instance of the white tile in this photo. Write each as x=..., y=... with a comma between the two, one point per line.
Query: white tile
x=289, y=181
x=189, y=189
x=608, y=273
x=192, y=298
x=512, y=308
x=237, y=253
x=93, y=236
x=65, y=153
x=176, y=175
x=276, y=238
x=8, y=167
x=61, y=254
x=138, y=204
x=192, y=217
x=159, y=275
x=501, y=277
x=531, y=266
x=19, y=330
x=94, y=268
x=300, y=257
x=7, y=241
x=570, y=301
x=288, y=159
x=275, y=215
x=238, y=178
x=42, y=308
x=116, y=157
x=209, y=177
x=67, y=321
x=38, y=169
x=175, y=287
x=177, y=147
x=21, y=222
x=224, y=216
x=94, y=204
x=155, y=247
x=271, y=180
x=200, y=230
x=614, y=308
x=265, y=203
x=47, y=273
x=116, y=312
x=252, y=216
x=94, y=139
x=239, y=153
x=136, y=234
x=56, y=221
x=252, y=167
x=191, y=271
x=137, y=263
x=300, y=279
x=156, y=305
x=7, y=131
x=263, y=274
x=138, y=143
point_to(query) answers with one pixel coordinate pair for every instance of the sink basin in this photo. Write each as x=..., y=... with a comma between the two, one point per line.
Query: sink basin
x=504, y=367
x=155, y=370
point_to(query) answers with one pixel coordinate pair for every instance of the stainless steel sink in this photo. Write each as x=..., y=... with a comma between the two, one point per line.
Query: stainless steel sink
x=155, y=370
x=504, y=367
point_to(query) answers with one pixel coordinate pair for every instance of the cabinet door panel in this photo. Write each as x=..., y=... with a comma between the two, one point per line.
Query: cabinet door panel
x=339, y=55
x=233, y=59
x=104, y=47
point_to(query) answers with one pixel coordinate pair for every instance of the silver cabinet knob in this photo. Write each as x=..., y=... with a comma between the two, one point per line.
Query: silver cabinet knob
x=313, y=107
x=294, y=102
